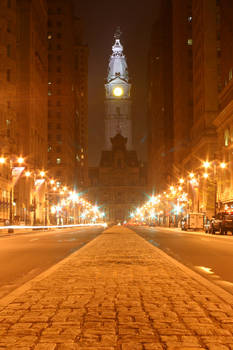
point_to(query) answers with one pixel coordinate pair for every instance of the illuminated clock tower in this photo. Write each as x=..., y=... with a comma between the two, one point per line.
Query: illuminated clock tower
x=118, y=102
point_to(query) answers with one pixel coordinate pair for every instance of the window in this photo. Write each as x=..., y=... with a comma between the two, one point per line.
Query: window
x=190, y=19
x=49, y=125
x=9, y=4
x=226, y=137
x=58, y=69
x=58, y=137
x=58, y=58
x=190, y=42
x=59, y=126
x=58, y=160
x=58, y=47
x=58, y=103
x=8, y=27
x=9, y=104
x=59, y=35
x=230, y=74
x=49, y=93
x=8, y=75
x=59, y=24
x=58, y=149
x=8, y=50
x=59, y=10
x=49, y=24
x=49, y=83
x=49, y=36
x=49, y=148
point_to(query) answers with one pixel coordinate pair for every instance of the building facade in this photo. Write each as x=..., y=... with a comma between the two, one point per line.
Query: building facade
x=62, y=119
x=182, y=82
x=118, y=102
x=31, y=102
x=118, y=185
x=7, y=99
x=193, y=53
x=160, y=101
x=81, y=99
x=224, y=119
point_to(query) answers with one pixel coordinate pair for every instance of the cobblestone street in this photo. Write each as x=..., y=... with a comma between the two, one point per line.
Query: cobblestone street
x=118, y=293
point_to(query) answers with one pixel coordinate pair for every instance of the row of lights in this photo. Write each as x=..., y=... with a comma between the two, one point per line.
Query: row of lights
x=175, y=193
x=72, y=196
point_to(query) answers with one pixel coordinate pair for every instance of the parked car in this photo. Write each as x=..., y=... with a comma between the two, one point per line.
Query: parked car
x=222, y=222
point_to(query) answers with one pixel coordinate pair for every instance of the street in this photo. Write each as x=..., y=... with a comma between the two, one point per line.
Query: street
x=23, y=257
x=209, y=255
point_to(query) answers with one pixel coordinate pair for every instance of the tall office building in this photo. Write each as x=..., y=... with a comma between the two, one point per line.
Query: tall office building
x=31, y=102
x=182, y=83
x=160, y=101
x=81, y=100
x=224, y=120
x=62, y=119
x=7, y=98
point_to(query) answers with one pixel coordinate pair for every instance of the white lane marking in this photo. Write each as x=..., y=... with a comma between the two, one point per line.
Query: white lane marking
x=34, y=239
x=205, y=269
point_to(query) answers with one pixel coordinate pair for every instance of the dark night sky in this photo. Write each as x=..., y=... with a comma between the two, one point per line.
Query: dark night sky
x=101, y=17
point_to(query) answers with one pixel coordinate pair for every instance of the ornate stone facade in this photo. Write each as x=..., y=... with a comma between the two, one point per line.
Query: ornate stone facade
x=119, y=183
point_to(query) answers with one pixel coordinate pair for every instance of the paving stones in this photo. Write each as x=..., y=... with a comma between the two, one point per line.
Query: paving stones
x=117, y=293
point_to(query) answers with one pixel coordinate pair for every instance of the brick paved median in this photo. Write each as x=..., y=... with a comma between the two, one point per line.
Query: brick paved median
x=117, y=293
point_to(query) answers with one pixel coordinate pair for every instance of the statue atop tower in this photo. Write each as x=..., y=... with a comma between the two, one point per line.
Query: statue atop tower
x=117, y=101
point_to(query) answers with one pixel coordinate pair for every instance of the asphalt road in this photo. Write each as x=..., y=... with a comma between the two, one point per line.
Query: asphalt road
x=209, y=255
x=25, y=256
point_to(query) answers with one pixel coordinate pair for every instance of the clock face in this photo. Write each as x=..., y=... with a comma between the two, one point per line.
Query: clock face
x=118, y=91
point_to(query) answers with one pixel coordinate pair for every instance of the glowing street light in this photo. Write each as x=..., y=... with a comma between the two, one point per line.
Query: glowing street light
x=205, y=175
x=181, y=180
x=191, y=175
x=2, y=160
x=20, y=160
x=42, y=173
x=223, y=165
x=206, y=164
x=28, y=173
x=52, y=182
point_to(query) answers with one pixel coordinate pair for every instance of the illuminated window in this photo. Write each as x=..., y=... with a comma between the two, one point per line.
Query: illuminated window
x=49, y=148
x=190, y=19
x=49, y=93
x=49, y=36
x=226, y=137
x=58, y=160
x=49, y=83
x=230, y=74
x=190, y=42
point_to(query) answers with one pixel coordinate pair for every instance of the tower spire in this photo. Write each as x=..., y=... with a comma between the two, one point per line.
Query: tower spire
x=118, y=33
x=117, y=63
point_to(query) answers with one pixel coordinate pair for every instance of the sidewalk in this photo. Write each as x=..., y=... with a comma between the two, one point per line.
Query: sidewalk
x=117, y=293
